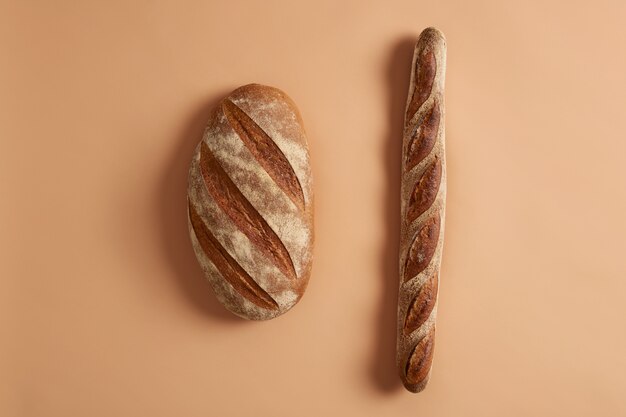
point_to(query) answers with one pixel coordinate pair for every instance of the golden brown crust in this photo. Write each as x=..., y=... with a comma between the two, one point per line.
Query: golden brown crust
x=242, y=212
x=422, y=248
x=265, y=150
x=227, y=266
x=425, y=71
x=423, y=138
x=422, y=305
x=250, y=186
x=419, y=362
x=423, y=191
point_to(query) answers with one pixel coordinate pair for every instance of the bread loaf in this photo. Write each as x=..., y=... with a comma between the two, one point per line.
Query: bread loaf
x=250, y=203
x=423, y=193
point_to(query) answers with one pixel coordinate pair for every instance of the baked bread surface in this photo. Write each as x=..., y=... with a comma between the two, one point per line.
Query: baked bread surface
x=250, y=203
x=423, y=193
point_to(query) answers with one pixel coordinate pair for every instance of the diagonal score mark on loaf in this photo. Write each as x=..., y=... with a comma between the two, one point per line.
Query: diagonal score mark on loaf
x=425, y=191
x=422, y=304
x=420, y=359
x=266, y=152
x=424, y=77
x=228, y=267
x=242, y=212
x=422, y=248
x=423, y=137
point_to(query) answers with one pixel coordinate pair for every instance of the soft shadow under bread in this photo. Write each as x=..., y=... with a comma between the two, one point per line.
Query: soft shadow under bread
x=172, y=203
x=383, y=369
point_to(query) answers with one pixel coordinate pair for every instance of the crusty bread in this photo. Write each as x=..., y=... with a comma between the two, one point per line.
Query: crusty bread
x=250, y=203
x=423, y=193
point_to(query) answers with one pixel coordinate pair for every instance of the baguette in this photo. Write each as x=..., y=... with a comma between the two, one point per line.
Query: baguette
x=250, y=202
x=423, y=193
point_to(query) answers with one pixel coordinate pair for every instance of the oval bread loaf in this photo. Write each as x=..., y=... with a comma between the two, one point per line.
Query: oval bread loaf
x=250, y=203
x=423, y=193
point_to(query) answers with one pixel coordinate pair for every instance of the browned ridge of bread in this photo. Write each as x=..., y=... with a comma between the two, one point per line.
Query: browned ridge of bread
x=242, y=212
x=265, y=150
x=423, y=192
x=250, y=203
x=227, y=266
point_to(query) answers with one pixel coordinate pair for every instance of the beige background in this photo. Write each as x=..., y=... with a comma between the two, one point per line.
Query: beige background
x=103, y=310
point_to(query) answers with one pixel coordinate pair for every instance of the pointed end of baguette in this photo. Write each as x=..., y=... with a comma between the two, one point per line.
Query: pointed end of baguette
x=416, y=388
x=431, y=35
